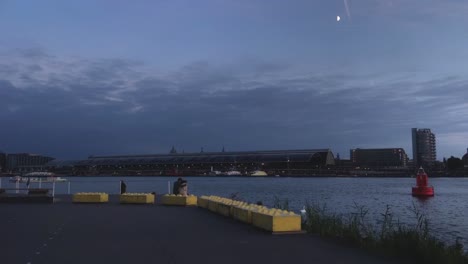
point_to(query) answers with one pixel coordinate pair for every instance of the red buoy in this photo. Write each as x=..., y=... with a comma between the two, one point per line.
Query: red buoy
x=422, y=188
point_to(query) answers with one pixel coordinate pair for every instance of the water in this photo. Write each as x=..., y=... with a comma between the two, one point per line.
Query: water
x=447, y=211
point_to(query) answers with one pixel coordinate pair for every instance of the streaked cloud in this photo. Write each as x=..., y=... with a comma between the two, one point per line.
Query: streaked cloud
x=205, y=104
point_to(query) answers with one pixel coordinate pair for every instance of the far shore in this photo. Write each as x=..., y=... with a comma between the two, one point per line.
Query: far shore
x=247, y=176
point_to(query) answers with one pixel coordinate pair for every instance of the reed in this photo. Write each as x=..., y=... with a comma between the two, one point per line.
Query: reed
x=388, y=236
x=282, y=204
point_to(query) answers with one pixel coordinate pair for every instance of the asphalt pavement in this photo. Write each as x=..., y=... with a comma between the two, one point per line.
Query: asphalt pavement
x=112, y=233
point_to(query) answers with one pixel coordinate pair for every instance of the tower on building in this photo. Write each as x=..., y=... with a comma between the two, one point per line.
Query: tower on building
x=173, y=150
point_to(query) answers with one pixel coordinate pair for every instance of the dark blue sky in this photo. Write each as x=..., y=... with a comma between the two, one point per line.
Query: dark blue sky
x=113, y=77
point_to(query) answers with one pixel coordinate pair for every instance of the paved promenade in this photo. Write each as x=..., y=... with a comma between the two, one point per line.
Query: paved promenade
x=112, y=233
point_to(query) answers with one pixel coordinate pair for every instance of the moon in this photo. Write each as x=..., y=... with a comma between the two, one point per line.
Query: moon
x=338, y=18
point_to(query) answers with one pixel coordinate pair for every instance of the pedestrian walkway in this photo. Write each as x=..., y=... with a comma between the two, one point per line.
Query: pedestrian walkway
x=114, y=233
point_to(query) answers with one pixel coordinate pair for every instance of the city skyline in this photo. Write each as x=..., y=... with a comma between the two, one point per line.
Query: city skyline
x=337, y=155
x=104, y=78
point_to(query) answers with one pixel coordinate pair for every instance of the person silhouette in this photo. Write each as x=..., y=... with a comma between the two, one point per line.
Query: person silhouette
x=123, y=187
x=175, y=188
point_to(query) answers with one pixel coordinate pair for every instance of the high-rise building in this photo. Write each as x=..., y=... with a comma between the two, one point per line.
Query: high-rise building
x=424, y=147
x=386, y=157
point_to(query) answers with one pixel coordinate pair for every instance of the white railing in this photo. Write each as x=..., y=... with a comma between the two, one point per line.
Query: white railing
x=57, y=187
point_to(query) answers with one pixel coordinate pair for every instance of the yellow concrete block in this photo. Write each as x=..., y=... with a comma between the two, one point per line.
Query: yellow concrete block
x=242, y=213
x=191, y=200
x=137, y=198
x=223, y=209
x=90, y=198
x=170, y=199
x=203, y=201
x=213, y=205
x=276, y=220
x=235, y=203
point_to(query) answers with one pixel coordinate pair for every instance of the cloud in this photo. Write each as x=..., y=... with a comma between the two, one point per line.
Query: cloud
x=136, y=109
x=33, y=53
x=116, y=106
x=452, y=143
x=113, y=99
x=13, y=108
x=452, y=139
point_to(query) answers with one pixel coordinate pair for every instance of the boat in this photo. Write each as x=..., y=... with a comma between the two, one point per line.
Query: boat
x=37, y=177
x=422, y=189
x=214, y=173
x=258, y=173
x=233, y=173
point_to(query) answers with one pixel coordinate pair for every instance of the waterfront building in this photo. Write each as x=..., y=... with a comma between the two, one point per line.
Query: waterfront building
x=384, y=157
x=25, y=162
x=424, y=147
x=2, y=162
x=274, y=162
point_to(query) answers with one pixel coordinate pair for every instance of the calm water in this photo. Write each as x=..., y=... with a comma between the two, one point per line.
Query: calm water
x=447, y=211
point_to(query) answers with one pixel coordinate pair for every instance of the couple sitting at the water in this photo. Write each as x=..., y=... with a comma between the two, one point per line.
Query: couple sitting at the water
x=180, y=187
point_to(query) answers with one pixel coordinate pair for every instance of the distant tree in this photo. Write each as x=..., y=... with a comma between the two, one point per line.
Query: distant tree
x=454, y=163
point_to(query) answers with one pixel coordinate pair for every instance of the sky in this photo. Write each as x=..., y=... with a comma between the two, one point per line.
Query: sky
x=80, y=78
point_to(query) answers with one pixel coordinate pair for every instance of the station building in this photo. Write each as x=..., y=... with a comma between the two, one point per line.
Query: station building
x=24, y=162
x=274, y=162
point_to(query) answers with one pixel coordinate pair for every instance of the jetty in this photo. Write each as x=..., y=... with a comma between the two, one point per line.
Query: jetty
x=65, y=232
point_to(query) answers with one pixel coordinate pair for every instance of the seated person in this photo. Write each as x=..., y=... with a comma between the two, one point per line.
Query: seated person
x=183, y=188
x=175, y=189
